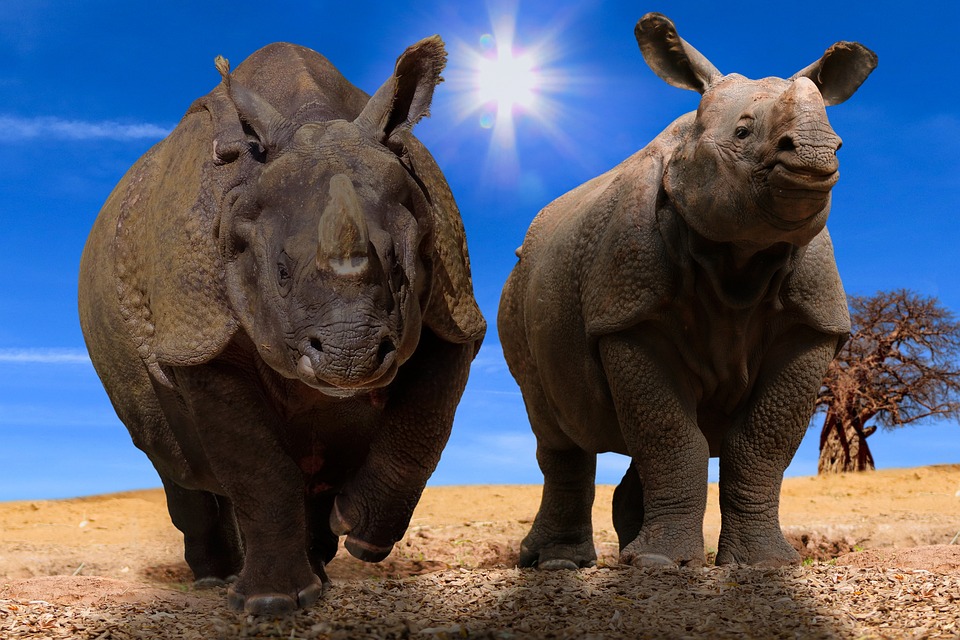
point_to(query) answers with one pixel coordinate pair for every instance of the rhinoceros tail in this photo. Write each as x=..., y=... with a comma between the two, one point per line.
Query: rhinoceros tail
x=223, y=66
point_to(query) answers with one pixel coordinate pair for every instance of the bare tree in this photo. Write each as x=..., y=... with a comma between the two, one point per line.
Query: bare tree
x=899, y=366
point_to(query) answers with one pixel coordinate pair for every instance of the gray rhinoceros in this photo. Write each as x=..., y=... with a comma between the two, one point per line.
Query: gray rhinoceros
x=277, y=298
x=684, y=305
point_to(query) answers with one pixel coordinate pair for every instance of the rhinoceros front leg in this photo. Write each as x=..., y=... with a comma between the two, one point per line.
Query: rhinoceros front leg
x=238, y=433
x=657, y=418
x=759, y=447
x=374, y=507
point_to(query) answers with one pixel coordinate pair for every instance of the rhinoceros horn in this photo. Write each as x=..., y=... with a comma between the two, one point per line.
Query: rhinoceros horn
x=344, y=240
x=271, y=128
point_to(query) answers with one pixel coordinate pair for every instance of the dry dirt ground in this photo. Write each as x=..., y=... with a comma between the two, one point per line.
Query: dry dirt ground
x=881, y=549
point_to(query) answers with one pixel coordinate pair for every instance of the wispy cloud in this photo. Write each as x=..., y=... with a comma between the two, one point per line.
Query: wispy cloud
x=53, y=128
x=44, y=356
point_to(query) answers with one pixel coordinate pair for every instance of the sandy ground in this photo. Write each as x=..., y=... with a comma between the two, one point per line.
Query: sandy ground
x=879, y=563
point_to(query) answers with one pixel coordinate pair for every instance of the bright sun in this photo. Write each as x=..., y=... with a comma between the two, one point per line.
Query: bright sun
x=503, y=79
x=507, y=88
x=507, y=79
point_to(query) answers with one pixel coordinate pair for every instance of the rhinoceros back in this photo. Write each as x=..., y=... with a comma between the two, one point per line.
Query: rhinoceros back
x=300, y=83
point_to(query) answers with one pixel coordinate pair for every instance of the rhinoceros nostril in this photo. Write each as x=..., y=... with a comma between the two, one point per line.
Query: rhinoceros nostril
x=386, y=348
x=316, y=345
x=786, y=143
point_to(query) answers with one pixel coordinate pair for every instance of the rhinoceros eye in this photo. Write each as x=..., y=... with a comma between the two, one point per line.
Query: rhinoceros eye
x=396, y=275
x=742, y=132
x=283, y=273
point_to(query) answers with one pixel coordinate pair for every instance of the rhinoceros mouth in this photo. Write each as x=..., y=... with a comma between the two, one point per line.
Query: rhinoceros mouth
x=792, y=183
x=339, y=389
x=790, y=198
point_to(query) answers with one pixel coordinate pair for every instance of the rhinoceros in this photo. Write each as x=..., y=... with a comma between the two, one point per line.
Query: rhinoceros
x=685, y=305
x=277, y=298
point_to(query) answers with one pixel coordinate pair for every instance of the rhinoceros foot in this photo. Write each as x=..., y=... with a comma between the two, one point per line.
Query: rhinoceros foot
x=276, y=604
x=553, y=555
x=770, y=550
x=366, y=551
x=346, y=519
x=643, y=552
x=213, y=582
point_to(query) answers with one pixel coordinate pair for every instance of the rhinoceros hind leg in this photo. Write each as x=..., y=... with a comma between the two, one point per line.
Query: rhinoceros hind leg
x=213, y=583
x=211, y=539
x=628, y=507
x=322, y=543
x=562, y=533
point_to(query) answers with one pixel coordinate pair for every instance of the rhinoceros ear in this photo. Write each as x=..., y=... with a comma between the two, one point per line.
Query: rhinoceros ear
x=841, y=71
x=671, y=57
x=451, y=311
x=405, y=97
x=272, y=129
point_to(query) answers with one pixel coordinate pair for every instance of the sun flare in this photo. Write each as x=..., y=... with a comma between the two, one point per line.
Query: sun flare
x=514, y=88
x=506, y=79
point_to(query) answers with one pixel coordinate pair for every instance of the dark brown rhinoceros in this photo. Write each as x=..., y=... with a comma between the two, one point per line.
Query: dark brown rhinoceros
x=277, y=298
x=685, y=305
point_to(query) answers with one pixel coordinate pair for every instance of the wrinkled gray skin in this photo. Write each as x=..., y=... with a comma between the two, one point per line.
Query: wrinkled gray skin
x=277, y=298
x=685, y=305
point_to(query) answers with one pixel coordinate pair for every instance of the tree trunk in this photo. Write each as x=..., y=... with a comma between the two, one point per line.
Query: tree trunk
x=843, y=446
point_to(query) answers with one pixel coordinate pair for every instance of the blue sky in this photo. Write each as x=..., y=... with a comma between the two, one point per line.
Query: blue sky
x=89, y=86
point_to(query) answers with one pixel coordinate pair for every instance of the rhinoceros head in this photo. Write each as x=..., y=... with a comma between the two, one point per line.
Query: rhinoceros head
x=325, y=253
x=758, y=162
